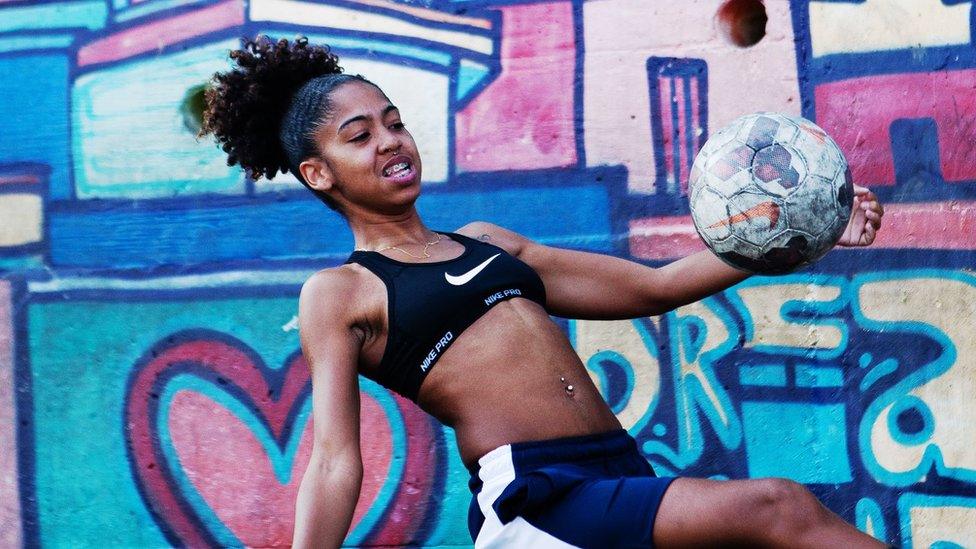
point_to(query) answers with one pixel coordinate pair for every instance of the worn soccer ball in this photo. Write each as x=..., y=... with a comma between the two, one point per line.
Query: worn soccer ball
x=770, y=193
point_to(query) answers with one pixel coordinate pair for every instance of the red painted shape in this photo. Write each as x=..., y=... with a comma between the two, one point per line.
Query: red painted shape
x=680, y=167
x=164, y=32
x=696, y=123
x=237, y=369
x=411, y=510
x=230, y=468
x=858, y=113
x=525, y=118
x=19, y=179
x=928, y=225
x=667, y=126
x=667, y=237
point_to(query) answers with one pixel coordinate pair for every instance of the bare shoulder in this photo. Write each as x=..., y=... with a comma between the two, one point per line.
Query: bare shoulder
x=510, y=241
x=343, y=278
x=332, y=291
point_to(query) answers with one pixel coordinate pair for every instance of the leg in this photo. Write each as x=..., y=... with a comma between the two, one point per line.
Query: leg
x=763, y=512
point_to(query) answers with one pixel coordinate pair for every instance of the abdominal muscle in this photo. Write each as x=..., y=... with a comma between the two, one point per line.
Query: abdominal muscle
x=505, y=379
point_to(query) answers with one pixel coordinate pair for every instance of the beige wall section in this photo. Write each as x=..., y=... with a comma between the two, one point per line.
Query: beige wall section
x=21, y=219
x=946, y=524
x=876, y=25
x=620, y=35
x=765, y=306
x=622, y=337
x=950, y=307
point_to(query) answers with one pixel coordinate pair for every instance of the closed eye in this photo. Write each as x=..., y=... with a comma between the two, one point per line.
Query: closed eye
x=361, y=137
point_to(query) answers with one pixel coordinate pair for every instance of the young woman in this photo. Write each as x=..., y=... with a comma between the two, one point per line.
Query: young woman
x=459, y=322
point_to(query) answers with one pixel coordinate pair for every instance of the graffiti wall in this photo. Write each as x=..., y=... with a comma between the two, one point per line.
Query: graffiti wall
x=152, y=391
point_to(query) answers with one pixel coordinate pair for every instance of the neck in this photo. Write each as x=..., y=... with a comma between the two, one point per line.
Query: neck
x=375, y=231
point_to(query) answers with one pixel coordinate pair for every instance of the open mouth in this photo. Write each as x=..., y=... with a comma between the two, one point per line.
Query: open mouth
x=398, y=169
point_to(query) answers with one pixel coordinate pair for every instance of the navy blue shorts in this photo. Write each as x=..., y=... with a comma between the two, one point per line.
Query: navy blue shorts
x=589, y=491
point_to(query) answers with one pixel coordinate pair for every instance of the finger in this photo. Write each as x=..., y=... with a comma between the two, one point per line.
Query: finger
x=859, y=189
x=869, y=234
x=872, y=215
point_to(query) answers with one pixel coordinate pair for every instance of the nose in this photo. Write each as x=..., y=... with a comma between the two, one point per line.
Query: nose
x=390, y=142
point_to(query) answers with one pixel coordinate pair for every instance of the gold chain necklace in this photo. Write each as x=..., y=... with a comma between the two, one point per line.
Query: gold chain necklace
x=399, y=249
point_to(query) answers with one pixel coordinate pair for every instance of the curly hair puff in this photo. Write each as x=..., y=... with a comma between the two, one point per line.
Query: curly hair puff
x=264, y=111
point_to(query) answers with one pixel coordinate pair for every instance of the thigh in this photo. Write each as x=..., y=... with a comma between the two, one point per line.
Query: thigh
x=700, y=513
x=605, y=513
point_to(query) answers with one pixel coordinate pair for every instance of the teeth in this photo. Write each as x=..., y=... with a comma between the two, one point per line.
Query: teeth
x=395, y=168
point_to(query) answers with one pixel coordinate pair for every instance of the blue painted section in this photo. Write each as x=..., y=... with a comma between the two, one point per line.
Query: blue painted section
x=765, y=375
x=683, y=106
x=910, y=421
x=915, y=150
x=301, y=226
x=35, y=125
x=800, y=441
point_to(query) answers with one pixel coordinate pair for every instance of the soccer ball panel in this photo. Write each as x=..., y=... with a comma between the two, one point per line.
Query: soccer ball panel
x=711, y=209
x=778, y=169
x=813, y=206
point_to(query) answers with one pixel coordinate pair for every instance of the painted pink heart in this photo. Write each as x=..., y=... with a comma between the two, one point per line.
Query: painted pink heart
x=222, y=456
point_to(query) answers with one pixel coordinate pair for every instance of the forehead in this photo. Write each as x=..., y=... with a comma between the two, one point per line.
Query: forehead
x=356, y=99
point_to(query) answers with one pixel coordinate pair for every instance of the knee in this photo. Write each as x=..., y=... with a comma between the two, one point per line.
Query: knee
x=787, y=507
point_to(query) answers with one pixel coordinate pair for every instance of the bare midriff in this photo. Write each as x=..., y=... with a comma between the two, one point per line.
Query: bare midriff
x=513, y=376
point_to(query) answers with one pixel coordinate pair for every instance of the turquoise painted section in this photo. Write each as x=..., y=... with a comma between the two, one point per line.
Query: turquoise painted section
x=126, y=12
x=130, y=107
x=796, y=440
x=868, y=511
x=809, y=375
x=91, y=15
x=770, y=375
x=470, y=74
x=90, y=474
x=22, y=43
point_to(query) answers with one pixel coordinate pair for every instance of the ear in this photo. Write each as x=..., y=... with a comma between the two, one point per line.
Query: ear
x=317, y=174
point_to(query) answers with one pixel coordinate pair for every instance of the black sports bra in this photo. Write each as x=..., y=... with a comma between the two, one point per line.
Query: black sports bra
x=430, y=304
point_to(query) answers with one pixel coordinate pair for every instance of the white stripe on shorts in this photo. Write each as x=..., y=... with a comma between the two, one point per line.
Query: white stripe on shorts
x=497, y=471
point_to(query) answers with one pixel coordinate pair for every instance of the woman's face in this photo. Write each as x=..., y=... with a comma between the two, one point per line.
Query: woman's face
x=368, y=159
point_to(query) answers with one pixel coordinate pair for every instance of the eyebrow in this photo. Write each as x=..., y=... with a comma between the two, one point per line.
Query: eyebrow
x=361, y=117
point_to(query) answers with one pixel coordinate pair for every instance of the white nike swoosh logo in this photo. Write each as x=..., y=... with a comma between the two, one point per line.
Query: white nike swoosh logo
x=463, y=279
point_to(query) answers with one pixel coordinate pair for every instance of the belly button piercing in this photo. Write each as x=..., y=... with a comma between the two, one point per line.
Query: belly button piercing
x=569, y=387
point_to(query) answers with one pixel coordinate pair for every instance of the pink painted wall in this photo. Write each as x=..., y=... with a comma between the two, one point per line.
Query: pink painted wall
x=10, y=527
x=524, y=119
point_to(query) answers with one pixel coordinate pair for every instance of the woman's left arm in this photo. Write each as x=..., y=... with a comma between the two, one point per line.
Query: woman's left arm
x=600, y=287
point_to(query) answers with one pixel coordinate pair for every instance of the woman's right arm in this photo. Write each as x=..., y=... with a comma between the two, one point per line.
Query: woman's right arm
x=330, y=487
